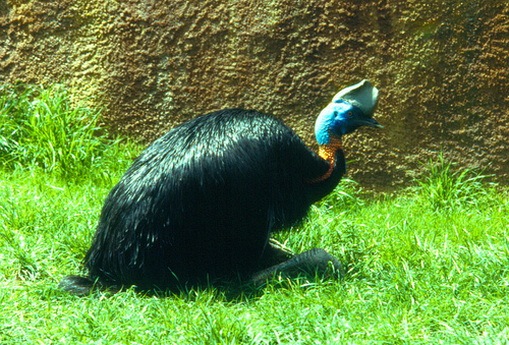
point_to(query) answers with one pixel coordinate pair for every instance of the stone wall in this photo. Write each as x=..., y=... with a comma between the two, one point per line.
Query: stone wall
x=442, y=68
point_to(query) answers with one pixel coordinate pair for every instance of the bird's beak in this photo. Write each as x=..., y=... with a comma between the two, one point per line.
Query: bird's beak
x=371, y=123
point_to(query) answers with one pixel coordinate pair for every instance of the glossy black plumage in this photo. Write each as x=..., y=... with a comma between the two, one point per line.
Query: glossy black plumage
x=201, y=201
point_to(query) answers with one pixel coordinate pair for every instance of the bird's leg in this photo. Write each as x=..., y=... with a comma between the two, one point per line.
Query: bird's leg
x=312, y=262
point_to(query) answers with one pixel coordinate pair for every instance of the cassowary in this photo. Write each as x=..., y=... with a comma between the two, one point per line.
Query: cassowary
x=200, y=202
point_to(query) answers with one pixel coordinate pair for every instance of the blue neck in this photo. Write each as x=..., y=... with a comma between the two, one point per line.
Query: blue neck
x=330, y=121
x=322, y=137
x=322, y=128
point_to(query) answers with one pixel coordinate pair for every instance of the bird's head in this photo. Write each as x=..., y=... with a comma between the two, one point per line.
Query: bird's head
x=350, y=109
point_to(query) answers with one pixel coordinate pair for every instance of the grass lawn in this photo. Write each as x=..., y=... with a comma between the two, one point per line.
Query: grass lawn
x=426, y=265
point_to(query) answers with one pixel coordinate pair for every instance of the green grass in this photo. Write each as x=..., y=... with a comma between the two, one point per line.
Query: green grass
x=426, y=265
x=41, y=129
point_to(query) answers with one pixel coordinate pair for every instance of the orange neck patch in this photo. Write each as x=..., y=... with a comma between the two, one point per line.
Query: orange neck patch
x=328, y=153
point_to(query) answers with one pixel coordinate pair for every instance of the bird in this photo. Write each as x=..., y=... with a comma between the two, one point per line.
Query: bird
x=199, y=204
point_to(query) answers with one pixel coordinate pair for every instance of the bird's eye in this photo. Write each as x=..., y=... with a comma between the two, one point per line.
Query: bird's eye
x=349, y=114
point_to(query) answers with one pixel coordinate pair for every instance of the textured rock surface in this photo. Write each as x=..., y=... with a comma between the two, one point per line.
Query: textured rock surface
x=442, y=68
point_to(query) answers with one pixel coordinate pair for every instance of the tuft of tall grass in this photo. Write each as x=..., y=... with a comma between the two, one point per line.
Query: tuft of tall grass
x=41, y=128
x=445, y=188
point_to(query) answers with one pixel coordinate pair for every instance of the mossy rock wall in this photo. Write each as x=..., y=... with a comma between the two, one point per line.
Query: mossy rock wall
x=442, y=68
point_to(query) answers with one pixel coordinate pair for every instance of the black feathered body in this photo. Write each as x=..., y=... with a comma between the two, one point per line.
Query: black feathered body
x=202, y=199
